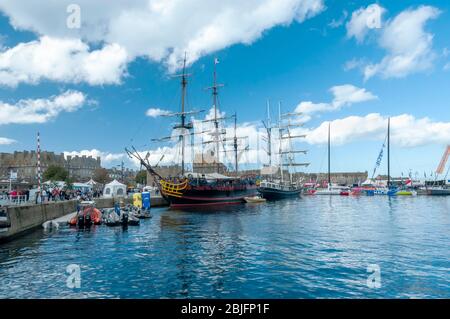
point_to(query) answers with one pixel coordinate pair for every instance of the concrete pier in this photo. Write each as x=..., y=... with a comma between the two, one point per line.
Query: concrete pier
x=24, y=218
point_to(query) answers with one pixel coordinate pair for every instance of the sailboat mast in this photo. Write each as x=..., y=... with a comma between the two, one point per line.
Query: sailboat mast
x=389, y=152
x=183, y=115
x=216, y=121
x=280, y=132
x=269, y=134
x=235, y=145
x=329, y=154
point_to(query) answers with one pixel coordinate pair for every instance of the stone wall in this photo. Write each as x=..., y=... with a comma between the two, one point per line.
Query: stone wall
x=26, y=218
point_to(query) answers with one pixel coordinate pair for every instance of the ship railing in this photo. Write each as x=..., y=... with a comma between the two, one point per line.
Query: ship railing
x=173, y=188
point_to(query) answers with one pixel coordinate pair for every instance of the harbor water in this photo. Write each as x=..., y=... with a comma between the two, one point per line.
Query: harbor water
x=312, y=247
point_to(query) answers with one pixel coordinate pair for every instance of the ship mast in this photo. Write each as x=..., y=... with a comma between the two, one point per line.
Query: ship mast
x=215, y=93
x=389, y=153
x=290, y=152
x=280, y=132
x=329, y=155
x=235, y=144
x=183, y=125
x=269, y=134
x=268, y=126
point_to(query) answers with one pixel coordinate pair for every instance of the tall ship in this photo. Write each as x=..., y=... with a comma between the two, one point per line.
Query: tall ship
x=192, y=188
x=279, y=181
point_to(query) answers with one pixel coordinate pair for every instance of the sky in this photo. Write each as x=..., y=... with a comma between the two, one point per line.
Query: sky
x=94, y=77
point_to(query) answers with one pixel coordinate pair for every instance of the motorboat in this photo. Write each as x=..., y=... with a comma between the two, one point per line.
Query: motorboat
x=334, y=190
x=255, y=199
x=87, y=215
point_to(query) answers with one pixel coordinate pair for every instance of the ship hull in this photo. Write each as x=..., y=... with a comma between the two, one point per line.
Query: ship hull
x=438, y=192
x=211, y=197
x=276, y=194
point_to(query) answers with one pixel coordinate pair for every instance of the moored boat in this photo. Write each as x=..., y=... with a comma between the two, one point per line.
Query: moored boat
x=255, y=199
x=274, y=190
x=282, y=186
x=334, y=190
x=438, y=191
x=87, y=215
x=190, y=189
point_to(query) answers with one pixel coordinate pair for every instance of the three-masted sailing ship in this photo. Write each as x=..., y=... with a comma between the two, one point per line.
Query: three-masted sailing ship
x=278, y=186
x=190, y=189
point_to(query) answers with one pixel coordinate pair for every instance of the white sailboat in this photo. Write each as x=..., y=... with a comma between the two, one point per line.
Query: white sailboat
x=332, y=189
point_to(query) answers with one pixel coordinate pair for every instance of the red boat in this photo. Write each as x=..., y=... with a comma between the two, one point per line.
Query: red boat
x=87, y=216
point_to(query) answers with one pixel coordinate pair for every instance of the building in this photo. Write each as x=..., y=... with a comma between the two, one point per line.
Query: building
x=344, y=178
x=124, y=175
x=207, y=164
x=25, y=164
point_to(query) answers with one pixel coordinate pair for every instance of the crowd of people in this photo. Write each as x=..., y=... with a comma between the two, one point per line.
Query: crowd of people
x=56, y=194
x=49, y=194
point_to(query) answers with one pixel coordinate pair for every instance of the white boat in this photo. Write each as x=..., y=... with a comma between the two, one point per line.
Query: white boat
x=333, y=190
x=255, y=199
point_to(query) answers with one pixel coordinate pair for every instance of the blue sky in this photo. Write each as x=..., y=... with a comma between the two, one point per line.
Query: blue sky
x=289, y=59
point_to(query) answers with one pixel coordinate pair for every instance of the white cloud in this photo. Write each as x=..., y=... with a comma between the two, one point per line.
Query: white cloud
x=6, y=141
x=408, y=45
x=40, y=110
x=337, y=23
x=155, y=112
x=162, y=30
x=62, y=60
x=447, y=67
x=406, y=130
x=344, y=95
x=105, y=157
x=363, y=20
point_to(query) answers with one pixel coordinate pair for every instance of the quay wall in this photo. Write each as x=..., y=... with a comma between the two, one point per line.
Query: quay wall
x=28, y=217
x=25, y=218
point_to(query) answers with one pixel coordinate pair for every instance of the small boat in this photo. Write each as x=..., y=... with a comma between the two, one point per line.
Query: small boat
x=87, y=216
x=143, y=214
x=254, y=199
x=123, y=218
x=111, y=218
x=138, y=212
x=334, y=190
x=406, y=193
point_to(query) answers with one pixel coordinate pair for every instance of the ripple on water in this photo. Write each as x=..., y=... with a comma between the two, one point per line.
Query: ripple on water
x=314, y=247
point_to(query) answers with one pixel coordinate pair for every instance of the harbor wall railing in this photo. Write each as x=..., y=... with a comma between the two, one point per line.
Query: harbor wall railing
x=18, y=220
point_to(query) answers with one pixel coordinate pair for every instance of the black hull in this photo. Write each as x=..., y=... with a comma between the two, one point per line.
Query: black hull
x=211, y=197
x=276, y=194
x=438, y=192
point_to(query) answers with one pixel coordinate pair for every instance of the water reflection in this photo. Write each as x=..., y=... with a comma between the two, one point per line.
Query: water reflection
x=310, y=247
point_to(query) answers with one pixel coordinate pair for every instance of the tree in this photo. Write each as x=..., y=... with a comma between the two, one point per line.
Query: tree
x=56, y=173
x=101, y=176
x=141, y=178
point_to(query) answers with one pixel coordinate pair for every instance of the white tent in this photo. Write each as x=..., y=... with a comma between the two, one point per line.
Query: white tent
x=91, y=182
x=84, y=187
x=115, y=189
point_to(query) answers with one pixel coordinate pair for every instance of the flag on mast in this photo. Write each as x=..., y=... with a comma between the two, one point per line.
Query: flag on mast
x=216, y=61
